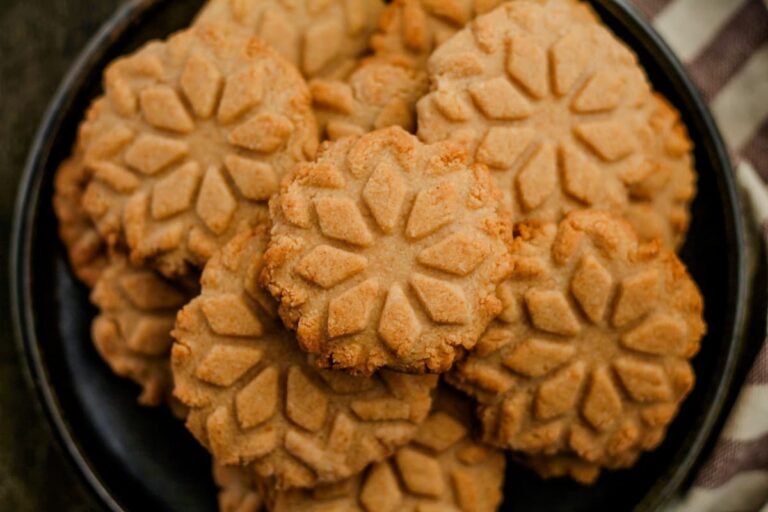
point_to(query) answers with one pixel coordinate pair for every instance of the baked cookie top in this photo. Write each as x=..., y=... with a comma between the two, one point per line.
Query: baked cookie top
x=590, y=356
x=379, y=93
x=410, y=30
x=190, y=139
x=86, y=251
x=443, y=468
x=321, y=38
x=237, y=490
x=386, y=252
x=256, y=399
x=132, y=332
x=562, y=113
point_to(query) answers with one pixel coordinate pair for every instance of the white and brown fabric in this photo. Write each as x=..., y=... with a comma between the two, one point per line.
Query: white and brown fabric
x=724, y=43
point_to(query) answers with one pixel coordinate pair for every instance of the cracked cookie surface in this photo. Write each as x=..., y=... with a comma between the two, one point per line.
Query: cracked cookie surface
x=255, y=399
x=589, y=360
x=132, y=332
x=443, y=468
x=190, y=139
x=563, y=114
x=320, y=37
x=386, y=252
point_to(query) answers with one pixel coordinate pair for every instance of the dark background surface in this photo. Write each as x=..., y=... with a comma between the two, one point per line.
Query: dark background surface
x=38, y=41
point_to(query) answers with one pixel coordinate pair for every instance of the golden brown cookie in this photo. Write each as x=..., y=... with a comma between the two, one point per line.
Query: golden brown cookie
x=378, y=94
x=562, y=113
x=661, y=197
x=132, y=332
x=237, y=490
x=442, y=469
x=589, y=359
x=190, y=139
x=86, y=250
x=256, y=399
x=322, y=38
x=410, y=30
x=386, y=252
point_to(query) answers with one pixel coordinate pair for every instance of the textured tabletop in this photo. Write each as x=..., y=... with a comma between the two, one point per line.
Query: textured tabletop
x=38, y=41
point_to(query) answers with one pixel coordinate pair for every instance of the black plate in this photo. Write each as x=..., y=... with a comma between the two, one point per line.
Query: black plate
x=140, y=459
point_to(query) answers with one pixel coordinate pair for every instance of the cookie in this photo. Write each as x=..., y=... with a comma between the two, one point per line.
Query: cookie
x=571, y=466
x=386, y=252
x=378, y=94
x=590, y=358
x=322, y=39
x=237, y=490
x=86, y=251
x=257, y=400
x=562, y=113
x=190, y=139
x=441, y=469
x=662, y=197
x=132, y=331
x=410, y=30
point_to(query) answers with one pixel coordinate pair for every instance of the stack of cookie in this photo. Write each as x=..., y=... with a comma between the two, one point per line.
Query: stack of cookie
x=308, y=224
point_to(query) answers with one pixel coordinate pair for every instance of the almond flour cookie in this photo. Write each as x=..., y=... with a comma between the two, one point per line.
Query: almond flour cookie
x=132, y=332
x=442, y=469
x=237, y=491
x=562, y=113
x=589, y=360
x=660, y=196
x=255, y=398
x=189, y=141
x=386, y=252
x=86, y=250
x=322, y=38
x=410, y=30
x=378, y=94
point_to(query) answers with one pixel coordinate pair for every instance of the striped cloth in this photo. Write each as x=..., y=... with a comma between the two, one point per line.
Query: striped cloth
x=724, y=43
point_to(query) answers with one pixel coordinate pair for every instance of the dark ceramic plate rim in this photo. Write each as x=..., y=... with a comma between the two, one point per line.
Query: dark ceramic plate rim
x=128, y=14
x=27, y=199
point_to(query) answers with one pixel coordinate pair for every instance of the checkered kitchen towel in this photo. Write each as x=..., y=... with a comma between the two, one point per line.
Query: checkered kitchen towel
x=725, y=46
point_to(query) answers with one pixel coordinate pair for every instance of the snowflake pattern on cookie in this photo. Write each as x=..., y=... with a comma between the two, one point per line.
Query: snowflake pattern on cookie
x=386, y=252
x=132, y=332
x=378, y=94
x=563, y=114
x=255, y=399
x=409, y=30
x=322, y=38
x=190, y=139
x=590, y=357
x=443, y=468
